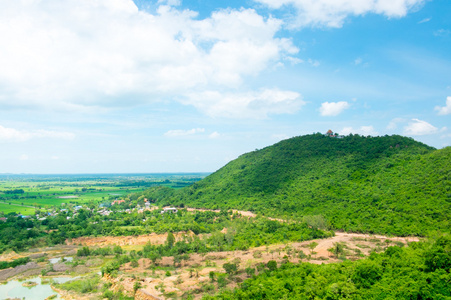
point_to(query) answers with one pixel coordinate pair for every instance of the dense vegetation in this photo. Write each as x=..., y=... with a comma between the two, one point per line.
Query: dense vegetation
x=19, y=234
x=391, y=184
x=421, y=271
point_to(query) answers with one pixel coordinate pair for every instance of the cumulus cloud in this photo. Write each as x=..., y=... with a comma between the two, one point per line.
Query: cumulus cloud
x=101, y=53
x=180, y=132
x=419, y=127
x=246, y=105
x=363, y=130
x=445, y=110
x=12, y=134
x=329, y=109
x=333, y=13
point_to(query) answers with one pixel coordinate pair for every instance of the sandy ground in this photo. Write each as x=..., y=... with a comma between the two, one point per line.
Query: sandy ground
x=193, y=275
x=155, y=239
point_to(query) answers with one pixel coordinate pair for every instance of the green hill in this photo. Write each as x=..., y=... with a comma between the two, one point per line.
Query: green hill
x=389, y=184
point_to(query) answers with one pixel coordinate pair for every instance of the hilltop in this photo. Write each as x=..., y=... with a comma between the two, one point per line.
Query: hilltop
x=390, y=184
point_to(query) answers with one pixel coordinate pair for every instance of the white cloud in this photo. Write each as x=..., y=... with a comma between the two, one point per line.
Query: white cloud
x=314, y=62
x=252, y=104
x=394, y=123
x=214, y=135
x=363, y=130
x=23, y=157
x=180, y=132
x=419, y=127
x=332, y=13
x=66, y=54
x=446, y=110
x=358, y=61
x=11, y=134
x=328, y=109
x=424, y=20
x=442, y=32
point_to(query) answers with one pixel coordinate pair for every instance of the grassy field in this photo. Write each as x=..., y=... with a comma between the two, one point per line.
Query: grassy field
x=7, y=208
x=24, y=193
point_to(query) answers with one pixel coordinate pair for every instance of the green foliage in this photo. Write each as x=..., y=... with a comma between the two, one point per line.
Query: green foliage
x=439, y=256
x=136, y=286
x=392, y=184
x=85, y=285
x=83, y=251
x=230, y=268
x=272, y=265
x=170, y=240
x=111, y=267
x=14, y=263
x=399, y=273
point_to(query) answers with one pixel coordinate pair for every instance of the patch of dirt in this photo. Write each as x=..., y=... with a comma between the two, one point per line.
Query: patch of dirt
x=193, y=275
x=11, y=272
x=9, y=256
x=94, y=262
x=155, y=239
x=81, y=269
x=61, y=267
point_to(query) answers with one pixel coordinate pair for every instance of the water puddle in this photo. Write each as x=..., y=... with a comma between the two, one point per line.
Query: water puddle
x=58, y=259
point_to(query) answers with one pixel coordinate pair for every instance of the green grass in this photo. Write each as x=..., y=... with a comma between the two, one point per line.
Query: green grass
x=6, y=208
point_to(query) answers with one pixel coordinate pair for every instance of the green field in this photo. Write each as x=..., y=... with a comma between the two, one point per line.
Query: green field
x=7, y=208
x=24, y=193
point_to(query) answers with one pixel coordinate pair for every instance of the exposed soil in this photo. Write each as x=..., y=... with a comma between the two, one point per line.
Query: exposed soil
x=192, y=276
x=11, y=272
x=155, y=239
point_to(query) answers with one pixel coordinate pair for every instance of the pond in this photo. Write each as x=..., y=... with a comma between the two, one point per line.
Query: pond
x=14, y=288
x=58, y=259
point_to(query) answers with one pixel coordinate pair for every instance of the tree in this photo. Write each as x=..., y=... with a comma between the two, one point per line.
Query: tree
x=230, y=268
x=312, y=247
x=212, y=275
x=337, y=249
x=170, y=240
x=272, y=265
x=136, y=286
x=250, y=271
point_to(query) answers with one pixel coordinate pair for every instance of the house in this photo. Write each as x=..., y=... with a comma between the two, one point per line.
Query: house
x=118, y=202
x=169, y=210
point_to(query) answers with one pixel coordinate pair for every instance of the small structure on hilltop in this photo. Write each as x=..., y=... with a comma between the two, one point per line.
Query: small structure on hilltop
x=169, y=210
x=118, y=202
x=330, y=133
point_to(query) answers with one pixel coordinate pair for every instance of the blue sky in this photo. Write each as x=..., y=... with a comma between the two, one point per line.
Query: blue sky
x=95, y=86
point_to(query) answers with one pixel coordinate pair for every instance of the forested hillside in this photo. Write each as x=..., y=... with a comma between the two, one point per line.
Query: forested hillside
x=420, y=271
x=390, y=184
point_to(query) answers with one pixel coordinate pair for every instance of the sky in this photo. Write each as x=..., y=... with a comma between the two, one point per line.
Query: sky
x=122, y=86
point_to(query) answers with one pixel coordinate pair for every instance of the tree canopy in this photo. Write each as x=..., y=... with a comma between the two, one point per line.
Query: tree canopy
x=390, y=184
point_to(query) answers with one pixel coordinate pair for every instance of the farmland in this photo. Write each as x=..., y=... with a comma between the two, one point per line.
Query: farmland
x=25, y=193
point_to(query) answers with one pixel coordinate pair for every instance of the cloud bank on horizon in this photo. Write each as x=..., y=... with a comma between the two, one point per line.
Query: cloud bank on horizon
x=151, y=72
